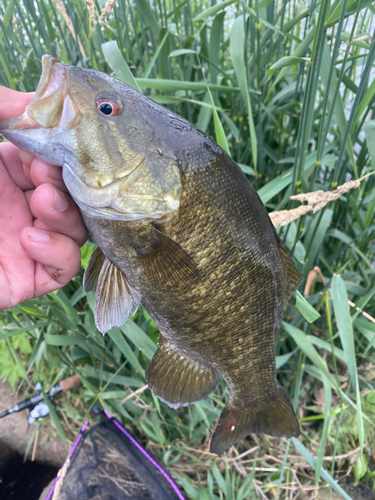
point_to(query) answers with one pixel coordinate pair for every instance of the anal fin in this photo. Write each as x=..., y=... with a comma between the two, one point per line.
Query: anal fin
x=178, y=380
x=116, y=301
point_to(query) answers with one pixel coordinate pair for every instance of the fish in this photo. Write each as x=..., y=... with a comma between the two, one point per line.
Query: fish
x=180, y=230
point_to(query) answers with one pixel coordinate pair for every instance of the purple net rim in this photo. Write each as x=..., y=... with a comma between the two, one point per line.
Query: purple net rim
x=149, y=457
x=140, y=448
x=49, y=496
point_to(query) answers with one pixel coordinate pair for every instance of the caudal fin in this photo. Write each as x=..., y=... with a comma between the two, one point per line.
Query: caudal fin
x=275, y=417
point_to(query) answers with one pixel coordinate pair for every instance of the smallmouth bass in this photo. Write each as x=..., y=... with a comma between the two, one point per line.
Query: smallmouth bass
x=179, y=229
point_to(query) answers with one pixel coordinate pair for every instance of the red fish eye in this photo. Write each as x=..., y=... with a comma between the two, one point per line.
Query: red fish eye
x=108, y=107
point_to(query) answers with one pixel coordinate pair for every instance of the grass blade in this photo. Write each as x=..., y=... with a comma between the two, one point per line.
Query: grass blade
x=369, y=128
x=170, y=85
x=315, y=236
x=324, y=474
x=345, y=327
x=124, y=347
x=211, y=11
x=237, y=40
x=221, y=138
x=156, y=55
x=118, y=65
x=55, y=419
x=308, y=312
x=344, y=324
x=139, y=338
x=323, y=440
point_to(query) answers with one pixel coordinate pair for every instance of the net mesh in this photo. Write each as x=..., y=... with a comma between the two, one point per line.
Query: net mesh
x=108, y=464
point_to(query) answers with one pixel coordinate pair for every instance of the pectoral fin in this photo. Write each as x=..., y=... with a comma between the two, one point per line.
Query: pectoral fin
x=90, y=278
x=178, y=380
x=116, y=300
x=168, y=261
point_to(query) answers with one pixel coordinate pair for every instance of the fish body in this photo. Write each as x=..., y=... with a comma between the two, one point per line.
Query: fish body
x=179, y=229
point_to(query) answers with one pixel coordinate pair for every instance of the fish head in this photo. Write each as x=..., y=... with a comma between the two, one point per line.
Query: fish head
x=102, y=132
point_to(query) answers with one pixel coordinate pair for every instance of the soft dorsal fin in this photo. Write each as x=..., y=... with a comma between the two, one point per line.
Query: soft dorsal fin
x=293, y=276
x=168, y=261
x=116, y=300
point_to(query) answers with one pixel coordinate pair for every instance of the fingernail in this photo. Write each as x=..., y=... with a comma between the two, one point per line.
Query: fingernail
x=38, y=235
x=26, y=158
x=60, y=203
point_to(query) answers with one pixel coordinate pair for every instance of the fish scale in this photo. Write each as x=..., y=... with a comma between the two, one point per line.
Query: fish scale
x=179, y=230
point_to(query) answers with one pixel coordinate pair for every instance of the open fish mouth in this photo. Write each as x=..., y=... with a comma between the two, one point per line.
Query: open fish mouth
x=51, y=105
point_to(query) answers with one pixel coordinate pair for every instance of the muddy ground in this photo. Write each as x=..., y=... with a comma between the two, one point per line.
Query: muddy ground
x=19, y=479
x=25, y=480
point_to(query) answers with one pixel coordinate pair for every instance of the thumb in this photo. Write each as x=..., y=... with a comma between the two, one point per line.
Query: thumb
x=57, y=256
x=13, y=103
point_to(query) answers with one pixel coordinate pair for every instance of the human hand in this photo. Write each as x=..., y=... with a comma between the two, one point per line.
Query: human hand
x=41, y=228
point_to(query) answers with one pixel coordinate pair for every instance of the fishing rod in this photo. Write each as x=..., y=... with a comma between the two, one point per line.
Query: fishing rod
x=85, y=462
x=38, y=409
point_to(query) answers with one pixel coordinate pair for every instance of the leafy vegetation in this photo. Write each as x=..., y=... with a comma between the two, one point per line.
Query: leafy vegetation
x=289, y=90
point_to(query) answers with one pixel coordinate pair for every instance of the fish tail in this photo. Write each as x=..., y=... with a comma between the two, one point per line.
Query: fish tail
x=275, y=417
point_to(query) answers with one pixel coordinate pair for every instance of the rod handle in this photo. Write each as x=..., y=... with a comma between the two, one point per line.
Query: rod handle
x=70, y=382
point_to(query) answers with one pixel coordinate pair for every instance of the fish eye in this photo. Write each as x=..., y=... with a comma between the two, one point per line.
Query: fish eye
x=109, y=107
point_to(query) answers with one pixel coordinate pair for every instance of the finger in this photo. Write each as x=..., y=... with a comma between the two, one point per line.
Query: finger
x=58, y=258
x=13, y=103
x=28, y=194
x=14, y=210
x=27, y=159
x=58, y=212
x=9, y=155
x=42, y=172
x=26, y=171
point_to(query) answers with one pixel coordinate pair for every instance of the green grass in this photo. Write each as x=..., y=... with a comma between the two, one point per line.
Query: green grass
x=290, y=90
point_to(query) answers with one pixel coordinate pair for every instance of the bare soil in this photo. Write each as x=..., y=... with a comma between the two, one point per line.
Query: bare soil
x=19, y=479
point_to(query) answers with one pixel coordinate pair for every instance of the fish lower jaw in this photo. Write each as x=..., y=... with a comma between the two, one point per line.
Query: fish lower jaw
x=44, y=148
x=104, y=203
x=109, y=213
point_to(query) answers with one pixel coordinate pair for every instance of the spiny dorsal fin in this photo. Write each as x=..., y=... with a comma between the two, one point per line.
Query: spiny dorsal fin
x=168, y=261
x=90, y=278
x=178, y=380
x=116, y=301
x=293, y=276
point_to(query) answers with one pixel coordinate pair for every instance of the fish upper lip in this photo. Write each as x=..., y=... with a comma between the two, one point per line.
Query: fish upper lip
x=48, y=63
